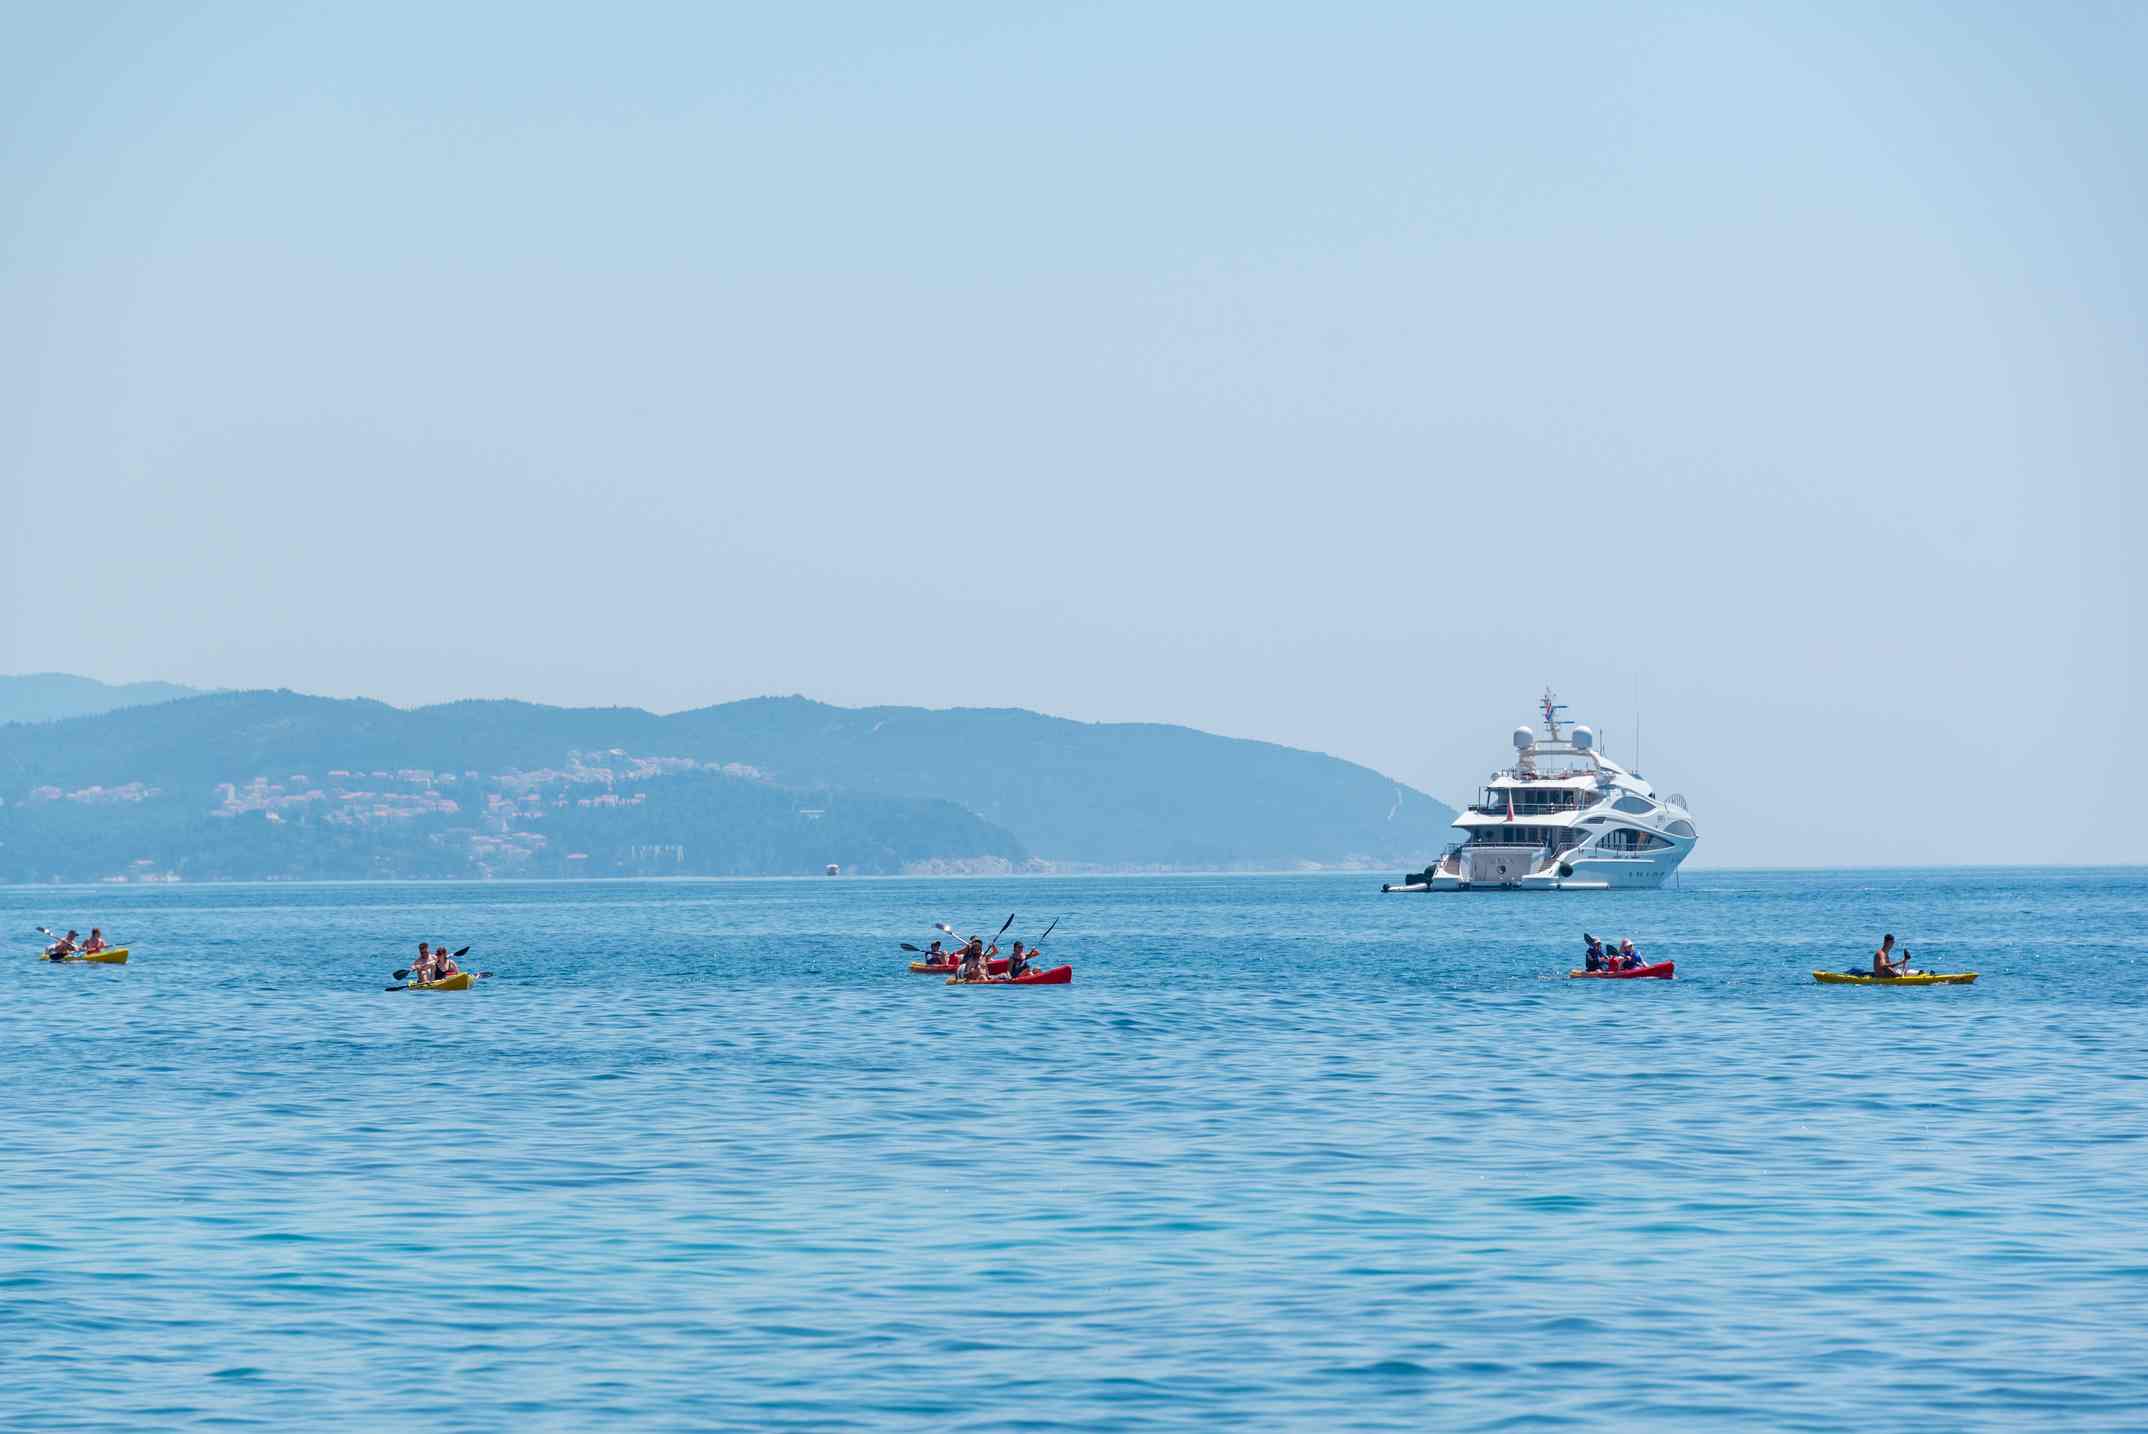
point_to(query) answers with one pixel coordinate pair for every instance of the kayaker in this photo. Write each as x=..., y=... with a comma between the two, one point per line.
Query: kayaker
x=974, y=957
x=1884, y=967
x=65, y=946
x=443, y=964
x=95, y=943
x=1017, y=962
x=1593, y=958
x=936, y=957
x=1629, y=957
x=422, y=968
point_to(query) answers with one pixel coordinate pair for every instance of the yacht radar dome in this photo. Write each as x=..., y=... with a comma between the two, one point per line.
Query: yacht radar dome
x=1523, y=738
x=1584, y=737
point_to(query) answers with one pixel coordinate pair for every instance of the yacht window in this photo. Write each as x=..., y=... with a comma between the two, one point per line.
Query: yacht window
x=1634, y=805
x=1680, y=828
x=1627, y=839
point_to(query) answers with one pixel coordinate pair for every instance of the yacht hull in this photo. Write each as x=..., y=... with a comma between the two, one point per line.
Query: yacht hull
x=1579, y=881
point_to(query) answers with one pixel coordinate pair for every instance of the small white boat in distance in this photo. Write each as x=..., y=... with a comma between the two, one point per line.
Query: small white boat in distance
x=1564, y=817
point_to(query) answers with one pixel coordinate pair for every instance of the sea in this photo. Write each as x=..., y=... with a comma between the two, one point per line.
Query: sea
x=1287, y=1153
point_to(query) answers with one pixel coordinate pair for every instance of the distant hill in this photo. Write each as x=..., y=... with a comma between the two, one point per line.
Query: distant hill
x=1068, y=793
x=49, y=696
x=1097, y=793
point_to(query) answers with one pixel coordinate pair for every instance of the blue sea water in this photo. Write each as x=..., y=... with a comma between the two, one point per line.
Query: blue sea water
x=1287, y=1154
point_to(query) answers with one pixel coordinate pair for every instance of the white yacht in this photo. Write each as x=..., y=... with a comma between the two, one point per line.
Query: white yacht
x=1563, y=817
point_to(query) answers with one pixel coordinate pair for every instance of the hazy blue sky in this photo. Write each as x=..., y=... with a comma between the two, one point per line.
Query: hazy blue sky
x=1337, y=375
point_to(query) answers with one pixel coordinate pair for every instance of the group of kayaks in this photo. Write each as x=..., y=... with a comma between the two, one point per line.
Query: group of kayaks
x=1624, y=964
x=1662, y=971
x=61, y=953
x=950, y=965
x=993, y=967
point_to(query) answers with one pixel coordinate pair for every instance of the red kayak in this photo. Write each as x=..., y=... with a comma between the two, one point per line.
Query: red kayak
x=1661, y=971
x=997, y=966
x=1057, y=976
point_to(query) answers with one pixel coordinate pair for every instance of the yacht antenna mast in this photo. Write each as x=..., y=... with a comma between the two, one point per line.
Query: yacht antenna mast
x=1552, y=708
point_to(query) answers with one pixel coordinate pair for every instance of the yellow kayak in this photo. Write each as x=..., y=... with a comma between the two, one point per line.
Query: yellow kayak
x=110, y=956
x=460, y=981
x=1920, y=978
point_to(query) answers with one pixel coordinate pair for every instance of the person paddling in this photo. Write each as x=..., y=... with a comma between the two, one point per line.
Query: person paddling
x=96, y=942
x=1593, y=958
x=65, y=946
x=936, y=957
x=1017, y=962
x=1887, y=968
x=443, y=964
x=974, y=957
x=1629, y=956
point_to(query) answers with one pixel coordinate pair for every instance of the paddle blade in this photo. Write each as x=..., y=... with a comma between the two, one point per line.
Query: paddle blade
x=398, y=975
x=464, y=952
x=908, y=947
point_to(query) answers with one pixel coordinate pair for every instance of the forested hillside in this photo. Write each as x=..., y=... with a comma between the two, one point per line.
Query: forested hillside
x=279, y=783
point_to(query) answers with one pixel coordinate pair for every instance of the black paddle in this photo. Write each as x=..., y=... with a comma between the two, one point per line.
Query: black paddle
x=1035, y=946
x=947, y=958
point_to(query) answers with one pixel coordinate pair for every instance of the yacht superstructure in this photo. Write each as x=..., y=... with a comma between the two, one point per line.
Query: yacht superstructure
x=1564, y=817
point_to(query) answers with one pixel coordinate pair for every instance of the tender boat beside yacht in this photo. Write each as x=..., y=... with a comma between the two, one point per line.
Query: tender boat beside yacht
x=1564, y=817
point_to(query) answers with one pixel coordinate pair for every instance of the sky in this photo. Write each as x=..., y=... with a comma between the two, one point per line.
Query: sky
x=1771, y=381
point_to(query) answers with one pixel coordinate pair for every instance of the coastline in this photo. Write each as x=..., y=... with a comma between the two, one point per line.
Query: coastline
x=1111, y=874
